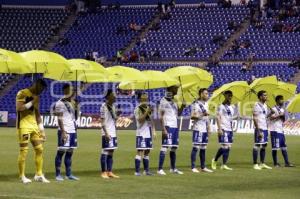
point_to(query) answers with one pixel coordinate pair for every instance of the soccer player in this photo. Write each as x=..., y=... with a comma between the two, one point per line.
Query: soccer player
x=201, y=130
x=170, y=133
x=65, y=109
x=145, y=129
x=225, y=116
x=260, y=117
x=109, y=136
x=276, y=129
x=30, y=129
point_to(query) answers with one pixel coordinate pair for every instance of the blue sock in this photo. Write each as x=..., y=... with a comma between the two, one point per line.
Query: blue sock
x=173, y=159
x=219, y=153
x=202, y=158
x=285, y=156
x=274, y=155
x=225, y=155
x=262, y=155
x=137, y=163
x=193, y=156
x=68, y=162
x=58, y=160
x=103, y=162
x=109, y=162
x=146, y=163
x=162, y=155
x=255, y=155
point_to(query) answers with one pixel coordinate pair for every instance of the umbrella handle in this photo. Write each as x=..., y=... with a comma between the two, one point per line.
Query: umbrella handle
x=181, y=90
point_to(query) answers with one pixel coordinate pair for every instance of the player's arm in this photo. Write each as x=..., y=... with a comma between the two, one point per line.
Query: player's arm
x=59, y=113
x=142, y=116
x=21, y=104
x=219, y=117
x=103, y=126
x=180, y=110
x=40, y=122
x=237, y=113
x=164, y=130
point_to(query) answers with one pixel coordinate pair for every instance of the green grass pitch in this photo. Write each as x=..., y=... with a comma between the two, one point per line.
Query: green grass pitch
x=242, y=182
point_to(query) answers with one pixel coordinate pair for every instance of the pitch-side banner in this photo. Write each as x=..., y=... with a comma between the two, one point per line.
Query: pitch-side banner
x=3, y=116
x=292, y=127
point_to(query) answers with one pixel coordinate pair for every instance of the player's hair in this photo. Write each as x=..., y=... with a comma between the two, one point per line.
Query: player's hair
x=201, y=90
x=260, y=93
x=139, y=95
x=278, y=97
x=171, y=87
x=228, y=92
x=109, y=91
x=66, y=86
x=41, y=82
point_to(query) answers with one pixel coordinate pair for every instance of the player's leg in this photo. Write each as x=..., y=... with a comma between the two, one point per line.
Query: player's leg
x=226, y=150
x=68, y=157
x=202, y=155
x=137, y=162
x=255, y=156
x=109, y=162
x=275, y=147
x=162, y=155
x=174, y=143
x=146, y=163
x=23, y=151
x=283, y=147
x=58, y=160
x=193, y=158
x=219, y=152
x=103, y=160
x=37, y=144
x=262, y=157
x=194, y=151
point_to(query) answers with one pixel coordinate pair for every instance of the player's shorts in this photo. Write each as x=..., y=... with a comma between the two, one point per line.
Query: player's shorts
x=277, y=140
x=258, y=139
x=70, y=143
x=28, y=135
x=143, y=143
x=226, y=137
x=109, y=144
x=200, y=138
x=172, y=139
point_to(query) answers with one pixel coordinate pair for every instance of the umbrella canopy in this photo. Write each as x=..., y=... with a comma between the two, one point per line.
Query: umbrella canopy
x=124, y=74
x=287, y=90
x=80, y=70
x=45, y=62
x=153, y=79
x=268, y=84
x=294, y=105
x=238, y=89
x=189, y=74
x=12, y=62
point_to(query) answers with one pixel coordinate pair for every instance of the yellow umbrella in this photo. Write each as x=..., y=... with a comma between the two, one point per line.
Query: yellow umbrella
x=294, y=105
x=238, y=89
x=153, y=79
x=124, y=74
x=189, y=74
x=80, y=70
x=45, y=62
x=12, y=62
x=268, y=84
x=287, y=90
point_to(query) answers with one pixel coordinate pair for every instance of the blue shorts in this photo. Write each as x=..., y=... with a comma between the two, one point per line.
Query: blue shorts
x=261, y=140
x=226, y=137
x=200, y=138
x=172, y=139
x=143, y=143
x=70, y=143
x=277, y=140
x=109, y=144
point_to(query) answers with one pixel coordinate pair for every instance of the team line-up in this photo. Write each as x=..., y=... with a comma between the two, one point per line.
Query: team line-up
x=30, y=129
